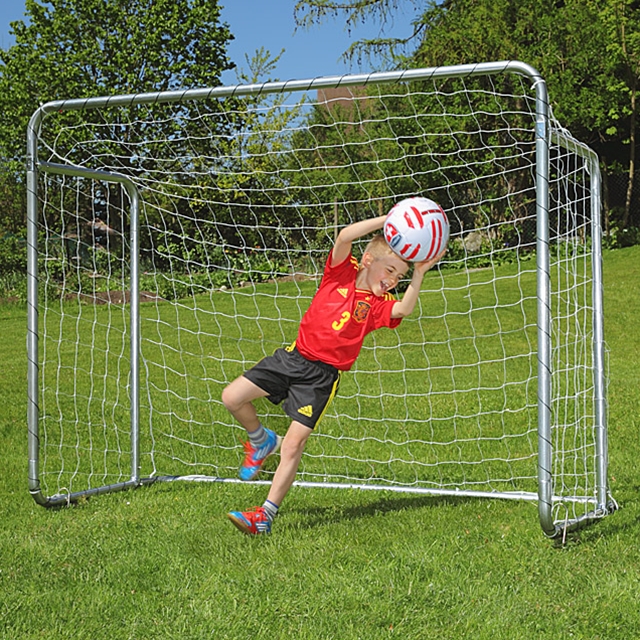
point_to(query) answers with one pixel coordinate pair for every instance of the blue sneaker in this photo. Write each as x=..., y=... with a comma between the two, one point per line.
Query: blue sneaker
x=254, y=458
x=251, y=522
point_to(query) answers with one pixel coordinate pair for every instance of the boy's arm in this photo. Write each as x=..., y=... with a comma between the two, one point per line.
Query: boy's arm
x=407, y=303
x=342, y=247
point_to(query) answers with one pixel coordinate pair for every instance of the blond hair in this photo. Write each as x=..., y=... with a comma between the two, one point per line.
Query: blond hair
x=379, y=248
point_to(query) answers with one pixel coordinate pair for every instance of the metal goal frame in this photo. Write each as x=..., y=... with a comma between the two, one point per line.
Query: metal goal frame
x=545, y=134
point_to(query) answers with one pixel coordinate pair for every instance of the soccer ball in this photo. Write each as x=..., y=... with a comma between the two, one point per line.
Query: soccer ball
x=416, y=229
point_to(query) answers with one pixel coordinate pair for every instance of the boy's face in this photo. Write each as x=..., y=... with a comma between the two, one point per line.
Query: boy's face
x=382, y=274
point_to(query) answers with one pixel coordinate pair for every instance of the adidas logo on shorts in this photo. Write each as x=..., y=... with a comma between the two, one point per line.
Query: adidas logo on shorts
x=306, y=411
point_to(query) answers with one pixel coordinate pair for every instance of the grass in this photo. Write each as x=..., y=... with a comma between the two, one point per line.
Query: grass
x=163, y=562
x=398, y=425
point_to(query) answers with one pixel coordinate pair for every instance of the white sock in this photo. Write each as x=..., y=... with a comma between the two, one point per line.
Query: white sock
x=271, y=509
x=258, y=437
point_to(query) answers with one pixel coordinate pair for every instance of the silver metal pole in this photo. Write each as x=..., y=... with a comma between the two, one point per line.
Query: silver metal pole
x=33, y=411
x=134, y=310
x=599, y=373
x=164, y=97
x=545, y=450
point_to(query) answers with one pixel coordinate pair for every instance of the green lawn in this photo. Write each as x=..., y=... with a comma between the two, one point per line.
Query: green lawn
x=163, y=562
x=453, y=407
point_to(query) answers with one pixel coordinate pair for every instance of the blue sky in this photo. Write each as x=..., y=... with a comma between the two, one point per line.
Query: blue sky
x=269, y=24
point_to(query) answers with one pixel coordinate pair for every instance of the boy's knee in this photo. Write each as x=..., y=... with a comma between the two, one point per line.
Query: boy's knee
x=229, y=399
x=295, y=441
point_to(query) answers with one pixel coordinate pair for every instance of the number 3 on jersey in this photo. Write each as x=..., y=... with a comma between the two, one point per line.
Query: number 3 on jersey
x=344, y=318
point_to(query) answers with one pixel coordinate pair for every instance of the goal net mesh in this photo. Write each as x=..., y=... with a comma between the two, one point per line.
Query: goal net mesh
x=241, y=199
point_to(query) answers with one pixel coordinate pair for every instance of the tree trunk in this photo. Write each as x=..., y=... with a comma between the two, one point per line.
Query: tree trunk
x=632, y=154
x=606, y=209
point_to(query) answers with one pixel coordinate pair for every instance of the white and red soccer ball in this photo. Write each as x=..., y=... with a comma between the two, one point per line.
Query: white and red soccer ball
x=416, y=229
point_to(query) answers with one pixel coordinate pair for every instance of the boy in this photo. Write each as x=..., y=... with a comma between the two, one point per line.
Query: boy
x=352, y=301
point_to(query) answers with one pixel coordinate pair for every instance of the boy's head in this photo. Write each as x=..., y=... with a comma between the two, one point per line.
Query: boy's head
x=378, y=248
x=383, y=268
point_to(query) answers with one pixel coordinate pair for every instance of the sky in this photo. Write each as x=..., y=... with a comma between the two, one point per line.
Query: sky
x=309, y=53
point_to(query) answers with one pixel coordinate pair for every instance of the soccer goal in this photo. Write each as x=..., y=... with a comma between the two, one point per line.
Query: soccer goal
x=176, y=238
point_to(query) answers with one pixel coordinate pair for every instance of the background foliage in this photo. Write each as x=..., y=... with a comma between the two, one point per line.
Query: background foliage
x=588, y=52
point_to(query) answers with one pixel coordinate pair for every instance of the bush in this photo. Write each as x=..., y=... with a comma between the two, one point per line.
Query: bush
x=621, y=238
x=13, y=254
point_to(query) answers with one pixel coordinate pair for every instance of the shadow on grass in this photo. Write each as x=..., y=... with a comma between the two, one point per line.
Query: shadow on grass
x=341, y=512
x=622, y=522
x=310, y=517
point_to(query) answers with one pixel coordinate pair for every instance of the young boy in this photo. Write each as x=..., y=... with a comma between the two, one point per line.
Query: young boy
x=352, y=301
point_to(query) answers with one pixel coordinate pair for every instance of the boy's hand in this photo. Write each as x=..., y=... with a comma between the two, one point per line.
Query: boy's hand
x=425, y=265
x=407, y=303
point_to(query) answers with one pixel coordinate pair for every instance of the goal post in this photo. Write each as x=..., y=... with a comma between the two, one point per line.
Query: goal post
x=175, y=238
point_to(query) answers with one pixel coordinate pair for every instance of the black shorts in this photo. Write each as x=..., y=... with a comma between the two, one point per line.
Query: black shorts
x=307, y=387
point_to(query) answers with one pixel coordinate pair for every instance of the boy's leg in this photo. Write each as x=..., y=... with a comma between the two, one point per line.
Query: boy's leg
x=237, y=398
x=290, y=454
x=258, y=520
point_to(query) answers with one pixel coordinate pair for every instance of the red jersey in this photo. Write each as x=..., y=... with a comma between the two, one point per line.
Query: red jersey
x=340, y=316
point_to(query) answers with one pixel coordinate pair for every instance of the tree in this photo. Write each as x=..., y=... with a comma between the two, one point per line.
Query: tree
x=588, y=52
x=588, y=59
x=620, y=20
x=83, y=48
x=389, y=51
x=12, y=201
x=86, y=48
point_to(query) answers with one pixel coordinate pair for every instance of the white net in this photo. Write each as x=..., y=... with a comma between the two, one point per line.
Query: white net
x=241, y=198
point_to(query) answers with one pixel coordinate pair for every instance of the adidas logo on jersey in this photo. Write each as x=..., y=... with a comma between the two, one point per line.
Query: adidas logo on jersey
x=343, y=292
x=306, y=411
